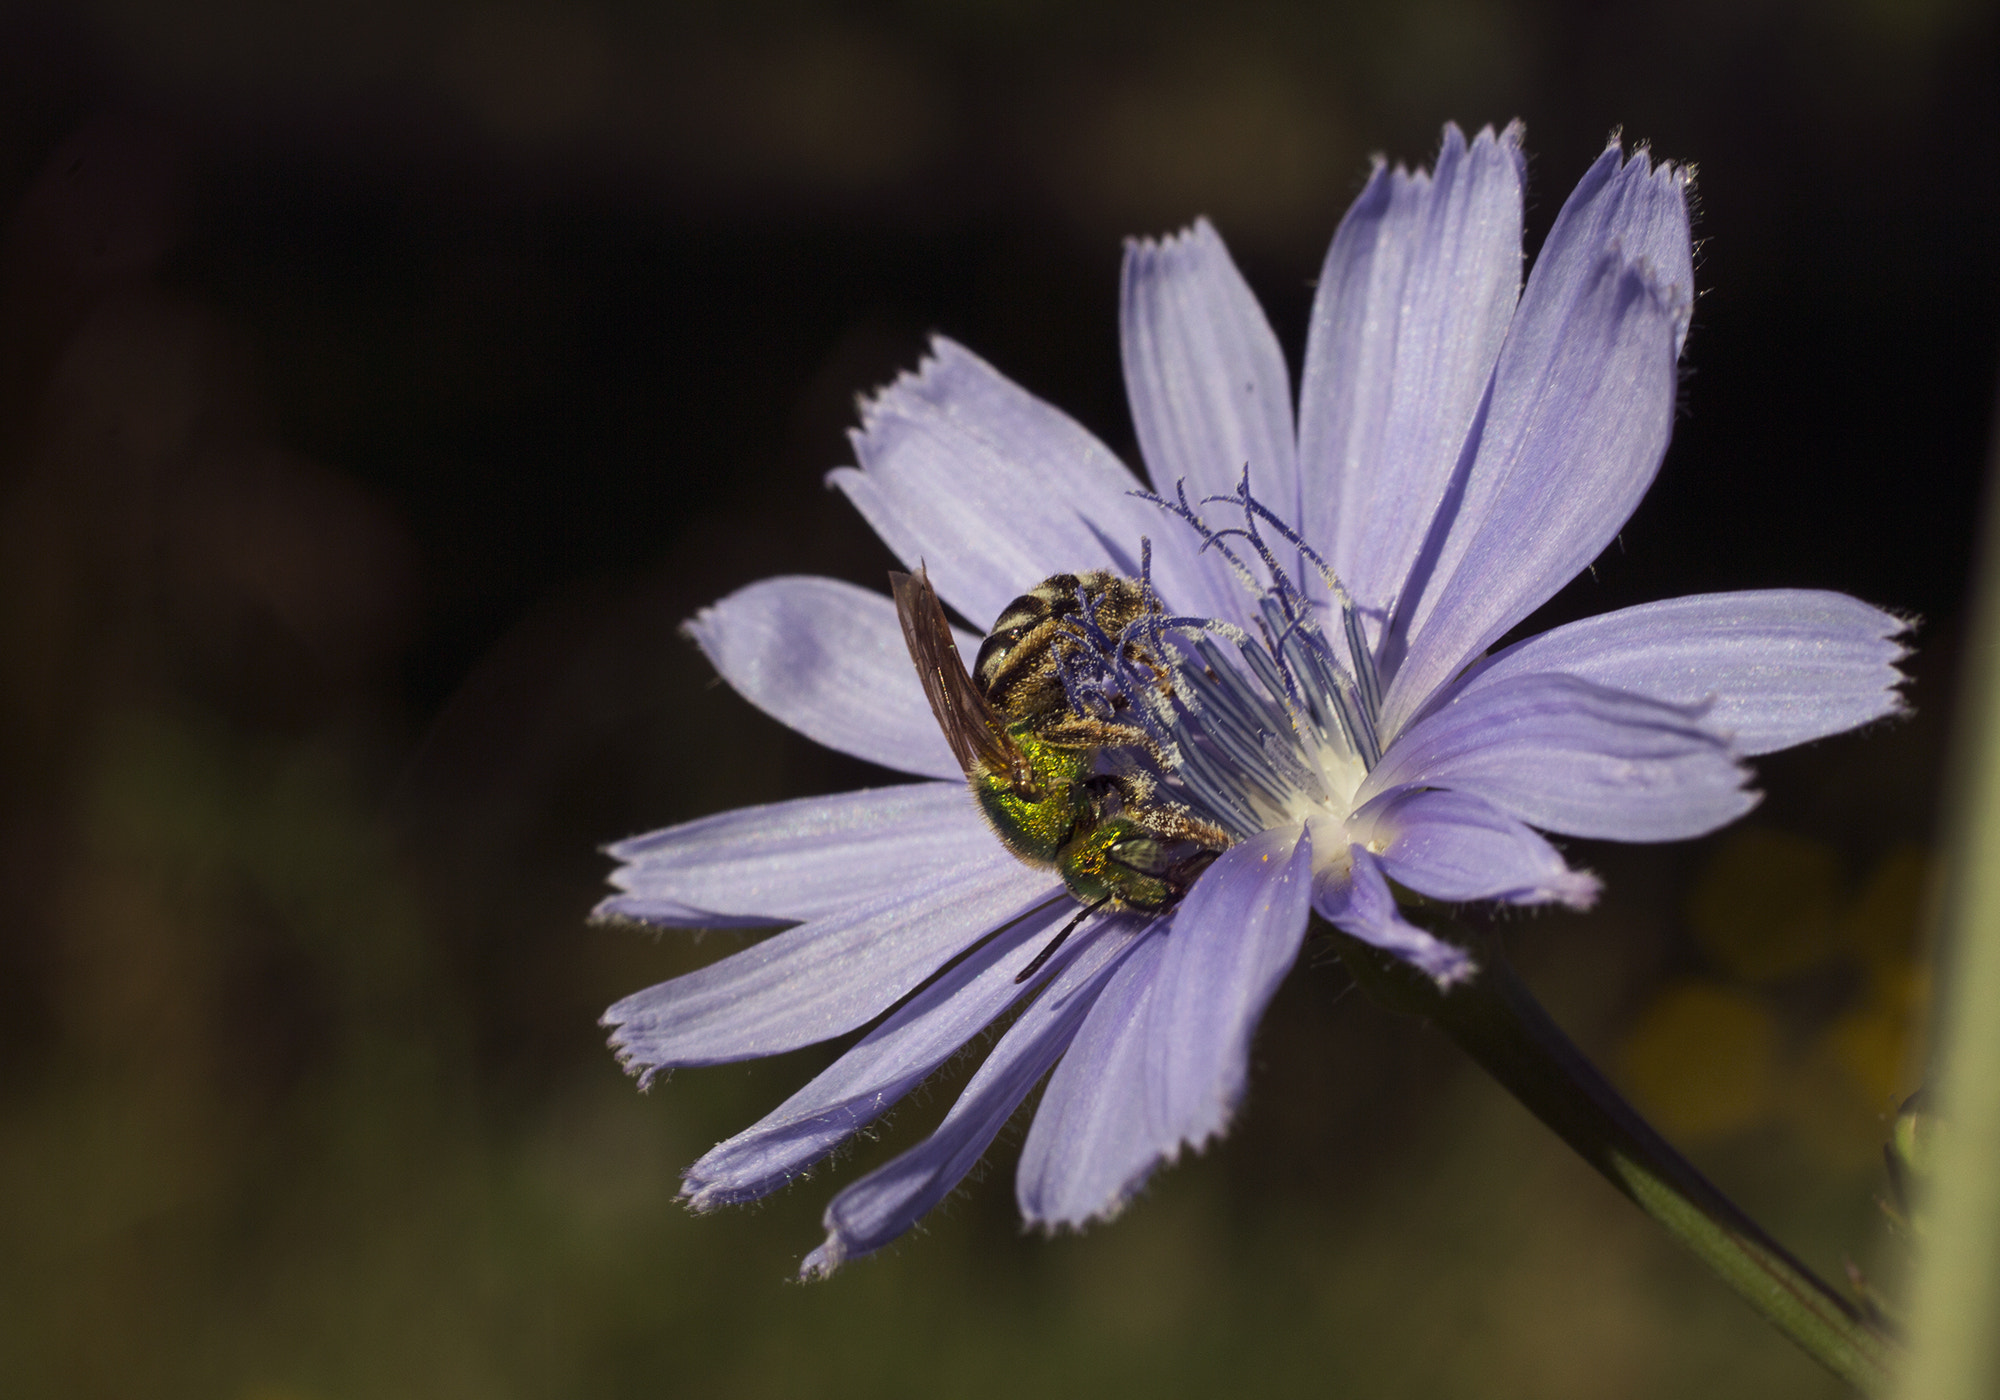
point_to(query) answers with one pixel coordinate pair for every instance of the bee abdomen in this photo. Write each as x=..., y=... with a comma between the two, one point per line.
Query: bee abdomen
x=1050, y=600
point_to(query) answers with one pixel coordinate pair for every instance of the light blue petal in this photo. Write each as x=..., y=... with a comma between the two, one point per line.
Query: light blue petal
x=828, y=659
x=883, y=1066
x=1354, y=897
x=1235, y=936
x=1571, y=757
x=1774, y=667
x=1094, y=1141
x=890, y=1199
x=824, y=978
x=993, y=490
x=1578, y=419
x=1207, y=382
x=1457, y=847
x=792, y=861
x=1635, y=207
x=1413, y=303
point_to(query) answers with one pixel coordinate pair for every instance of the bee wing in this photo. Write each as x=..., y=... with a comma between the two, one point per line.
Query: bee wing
x=973, y=728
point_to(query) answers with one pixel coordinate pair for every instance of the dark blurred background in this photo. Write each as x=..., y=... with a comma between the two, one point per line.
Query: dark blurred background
x=384, y=382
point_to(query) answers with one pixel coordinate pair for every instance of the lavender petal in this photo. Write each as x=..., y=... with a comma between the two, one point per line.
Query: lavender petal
x=1207, y=382
x=1234, y=937
x=1571, y=757
x=881, y=1068
x=993, y=490
x=890, y=1199
x=1354, y=897
x=1777, y=666
x=824, y=978
x=792, y=861
x=1457, y=847
x=1413, y=304
x=1582, y=404
x=1632, y=205
x=1093, y=1142
x=828, y=659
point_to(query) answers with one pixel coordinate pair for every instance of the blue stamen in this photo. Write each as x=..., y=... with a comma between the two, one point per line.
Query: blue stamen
x=1242, y=741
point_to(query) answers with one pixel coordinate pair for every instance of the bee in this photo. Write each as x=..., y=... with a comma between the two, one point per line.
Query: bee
x=1032, y=760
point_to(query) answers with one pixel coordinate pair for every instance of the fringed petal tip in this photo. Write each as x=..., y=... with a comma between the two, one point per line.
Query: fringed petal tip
x=1653, y=187
x=941, y=355
x=868, y=405
x=1575, y=889
x=699, y=626
x=1444, y=963
x=1903, y=633
x=1453, y=138
x=701, y=1195
x=1897, y=704
x=1199, y=237
x=626, y=1050
x=821, y=1263
x=1642, y=152
x=1050, y=1226
x=1572, y=889
x=609, y=914
x=644, y=1072
x=1508, y=138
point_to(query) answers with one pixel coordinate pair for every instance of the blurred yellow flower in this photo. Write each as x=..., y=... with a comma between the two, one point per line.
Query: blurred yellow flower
x=1703, y=1060
x=1809, y=985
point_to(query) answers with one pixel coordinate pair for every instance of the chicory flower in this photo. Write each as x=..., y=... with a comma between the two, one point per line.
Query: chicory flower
x=1463, y=446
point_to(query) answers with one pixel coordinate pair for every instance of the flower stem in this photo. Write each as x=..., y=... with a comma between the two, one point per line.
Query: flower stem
x=1496, y=1020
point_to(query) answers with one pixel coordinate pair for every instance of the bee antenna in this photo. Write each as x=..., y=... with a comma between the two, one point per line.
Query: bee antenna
x=1049, y=949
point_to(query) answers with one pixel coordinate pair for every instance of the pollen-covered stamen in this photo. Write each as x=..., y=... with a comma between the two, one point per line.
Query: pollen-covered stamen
x=1248, y=731
x=1253, y=730
x=1281, y=598
x=1360, y=671
x=1349, y=692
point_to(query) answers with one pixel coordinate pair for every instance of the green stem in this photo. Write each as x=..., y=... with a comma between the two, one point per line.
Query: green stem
x=1954, y=1352
x=1496, y=1019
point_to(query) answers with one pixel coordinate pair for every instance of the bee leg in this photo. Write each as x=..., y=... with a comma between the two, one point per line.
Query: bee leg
x=1049, y=948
